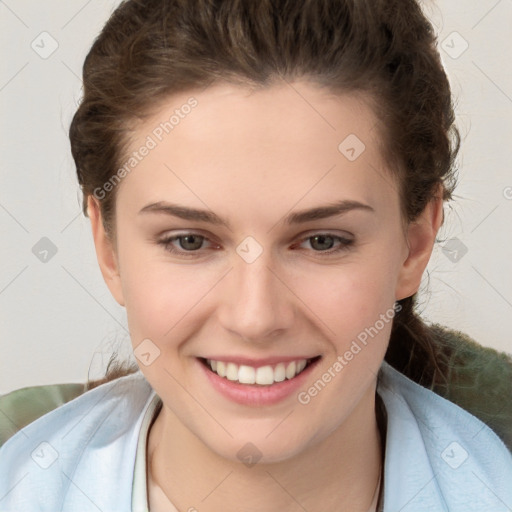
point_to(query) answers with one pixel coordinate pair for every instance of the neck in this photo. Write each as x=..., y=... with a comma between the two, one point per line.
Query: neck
x=341, y=472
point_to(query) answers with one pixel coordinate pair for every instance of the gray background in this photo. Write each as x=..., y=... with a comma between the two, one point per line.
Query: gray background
x=58, y=322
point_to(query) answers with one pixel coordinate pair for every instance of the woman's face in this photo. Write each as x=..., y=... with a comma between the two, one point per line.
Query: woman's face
x=266, y=276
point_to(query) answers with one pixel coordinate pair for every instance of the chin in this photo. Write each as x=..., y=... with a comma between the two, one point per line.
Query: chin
x=260, y=448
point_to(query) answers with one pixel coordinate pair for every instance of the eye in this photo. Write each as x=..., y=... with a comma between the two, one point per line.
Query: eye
x=190, y=244
x=323, y=243
x=187, y=244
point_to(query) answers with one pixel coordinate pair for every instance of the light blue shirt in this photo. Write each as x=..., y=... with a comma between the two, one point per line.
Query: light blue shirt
x=82, y=456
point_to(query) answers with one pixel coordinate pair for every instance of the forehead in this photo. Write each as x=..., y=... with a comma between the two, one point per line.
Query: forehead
x=283, y=114
x=290, y=140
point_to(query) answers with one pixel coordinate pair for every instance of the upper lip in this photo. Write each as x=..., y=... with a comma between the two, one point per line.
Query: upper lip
x=256, y=363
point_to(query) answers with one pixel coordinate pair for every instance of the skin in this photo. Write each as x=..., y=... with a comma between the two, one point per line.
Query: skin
x=252, y=158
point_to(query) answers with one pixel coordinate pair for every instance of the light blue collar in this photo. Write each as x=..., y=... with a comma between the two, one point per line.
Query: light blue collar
x=82, y=456
x=436, y=453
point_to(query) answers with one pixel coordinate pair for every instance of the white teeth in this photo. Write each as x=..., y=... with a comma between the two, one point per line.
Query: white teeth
x=280, y=372
x=246, y=375
x=232, y=371
x=221, y=368
x=290, y=370
x=264, y=375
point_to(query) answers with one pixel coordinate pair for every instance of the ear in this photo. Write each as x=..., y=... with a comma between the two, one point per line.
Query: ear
x=105, y=251
x=420, y=238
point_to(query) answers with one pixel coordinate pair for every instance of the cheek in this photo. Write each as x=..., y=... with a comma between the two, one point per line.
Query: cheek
x=166, y=302
x=158, y=297
x=340, y=299
x=355, y=305
x=350, y=297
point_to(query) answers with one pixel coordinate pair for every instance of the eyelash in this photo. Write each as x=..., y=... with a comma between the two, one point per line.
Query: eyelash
x=345, y=244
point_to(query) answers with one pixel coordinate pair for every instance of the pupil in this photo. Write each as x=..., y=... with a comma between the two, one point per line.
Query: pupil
x=321, y=239
x=184, y=240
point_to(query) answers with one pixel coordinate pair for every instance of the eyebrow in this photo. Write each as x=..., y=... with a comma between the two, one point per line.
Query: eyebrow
x=300, y=217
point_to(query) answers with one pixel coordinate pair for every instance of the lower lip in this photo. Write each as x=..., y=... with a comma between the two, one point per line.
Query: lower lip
x=254, y=394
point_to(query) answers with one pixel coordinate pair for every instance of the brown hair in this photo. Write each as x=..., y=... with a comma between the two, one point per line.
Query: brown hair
x=150, y=49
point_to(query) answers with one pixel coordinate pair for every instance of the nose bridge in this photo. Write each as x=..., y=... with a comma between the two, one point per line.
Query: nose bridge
x=258, y=303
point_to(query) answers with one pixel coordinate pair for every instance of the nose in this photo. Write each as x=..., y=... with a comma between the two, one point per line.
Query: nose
x=258, y=304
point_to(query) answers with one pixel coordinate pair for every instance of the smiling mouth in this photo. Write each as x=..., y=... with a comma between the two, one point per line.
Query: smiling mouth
x=263, y=376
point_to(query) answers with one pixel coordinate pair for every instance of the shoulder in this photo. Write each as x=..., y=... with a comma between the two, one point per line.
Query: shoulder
x=23, y=406
x=438, y=455
x=478, y=379
x=66, y=458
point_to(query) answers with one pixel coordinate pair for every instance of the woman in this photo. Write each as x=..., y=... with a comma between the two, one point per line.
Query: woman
x=265, y=182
